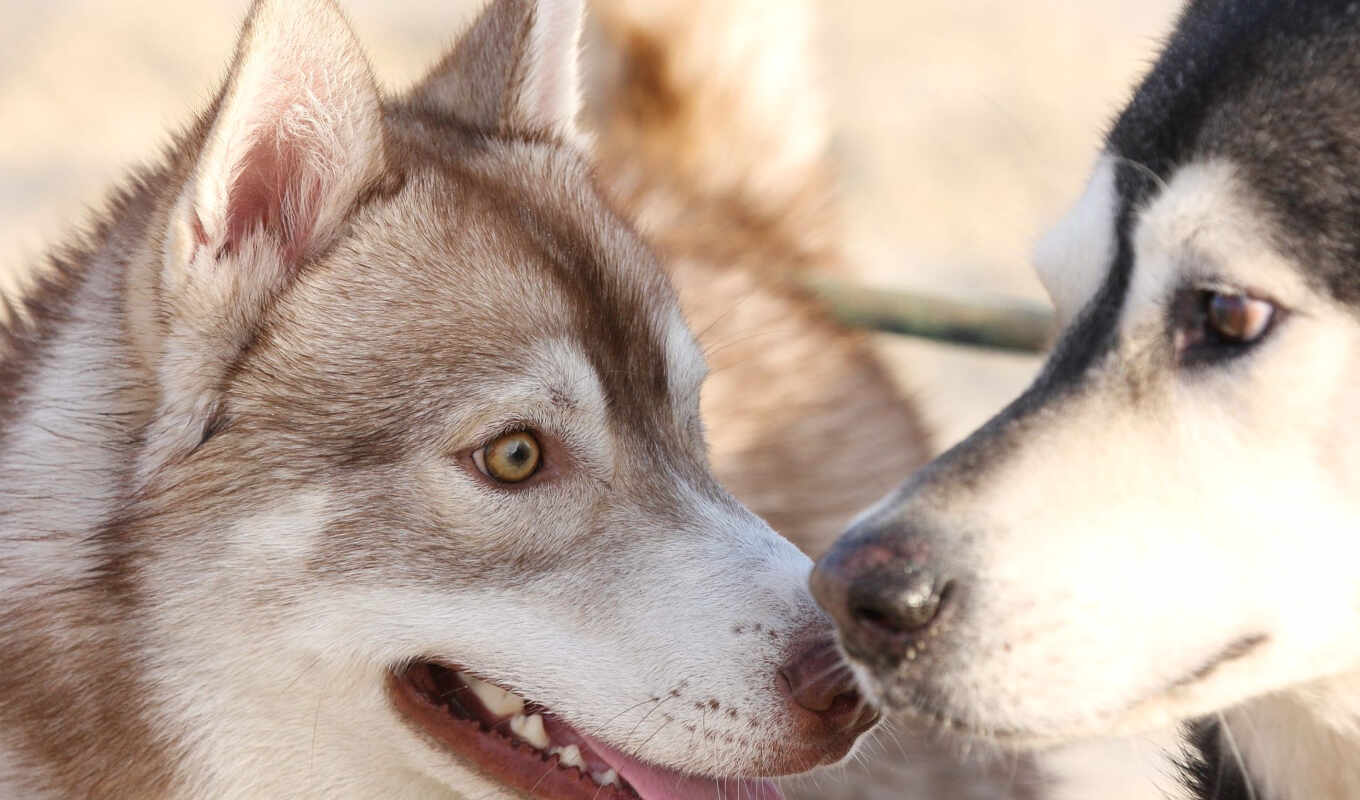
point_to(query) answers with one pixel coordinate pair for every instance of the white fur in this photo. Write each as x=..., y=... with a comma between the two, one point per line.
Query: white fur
x=1074, y=256
x=1141, y=767
x=263, y=660
x=683, y=354
x=53, y=465
x=301, y=86
x=302, y=78
x=1302, y=744
x=280, y=718
x=549, y=97
x=1162, y=514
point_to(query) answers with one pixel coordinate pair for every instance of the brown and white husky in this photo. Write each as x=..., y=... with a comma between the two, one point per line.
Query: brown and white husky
x=357, y=452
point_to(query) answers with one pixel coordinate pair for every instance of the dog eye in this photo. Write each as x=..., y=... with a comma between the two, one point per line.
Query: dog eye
x=1213, y=325
x=511, y=458
x=1238, y=317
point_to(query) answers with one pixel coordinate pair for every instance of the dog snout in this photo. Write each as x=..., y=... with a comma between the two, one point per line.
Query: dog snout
x=823, y=697
x=895, y=601
x=884, y=601
x=820, y=683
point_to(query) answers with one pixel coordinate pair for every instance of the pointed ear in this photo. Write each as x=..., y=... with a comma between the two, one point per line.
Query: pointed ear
x=296, y=136
x=291, y=143
x=514, y=71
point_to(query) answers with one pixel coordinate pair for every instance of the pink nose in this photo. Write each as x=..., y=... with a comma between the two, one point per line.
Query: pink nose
x=821, y=686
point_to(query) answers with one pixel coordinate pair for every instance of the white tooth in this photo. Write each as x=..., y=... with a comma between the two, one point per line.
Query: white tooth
x=530, y=729
x=569, y=756
x=497, y=700
x=605, y=778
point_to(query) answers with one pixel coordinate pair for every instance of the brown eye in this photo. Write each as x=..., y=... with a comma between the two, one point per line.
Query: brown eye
x=1238, y=317
x=1213, y=326
x=511, y=458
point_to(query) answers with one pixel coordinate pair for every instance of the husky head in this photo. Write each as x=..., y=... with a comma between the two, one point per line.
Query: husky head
x=1162, y=524
x=423, y=505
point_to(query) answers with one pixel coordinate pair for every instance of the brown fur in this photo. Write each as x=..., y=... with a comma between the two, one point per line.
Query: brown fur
x=805, y=426
x=805, y=452
x=316, y=296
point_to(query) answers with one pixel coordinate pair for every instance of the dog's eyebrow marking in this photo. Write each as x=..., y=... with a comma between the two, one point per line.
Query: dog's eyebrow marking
x=559, y=373
x=1235, y=649
x=561, y=398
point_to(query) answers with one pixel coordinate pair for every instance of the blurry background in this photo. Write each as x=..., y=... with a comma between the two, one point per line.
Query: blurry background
x=964, y=128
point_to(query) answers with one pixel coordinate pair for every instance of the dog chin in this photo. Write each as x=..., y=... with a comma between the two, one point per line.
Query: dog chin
x=1213, y=684
x=980, y=721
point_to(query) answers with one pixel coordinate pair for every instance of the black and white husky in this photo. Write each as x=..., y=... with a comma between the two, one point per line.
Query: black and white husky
x=1164, y=527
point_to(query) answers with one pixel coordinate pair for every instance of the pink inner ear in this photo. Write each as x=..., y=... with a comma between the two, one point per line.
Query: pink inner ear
x=274, y=193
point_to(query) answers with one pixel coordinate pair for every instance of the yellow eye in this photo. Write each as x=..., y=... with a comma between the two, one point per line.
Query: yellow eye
x=511, y=458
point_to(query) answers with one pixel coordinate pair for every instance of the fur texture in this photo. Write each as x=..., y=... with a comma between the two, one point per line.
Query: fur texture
x=239, y=451
x=804, y=424
x=1159, y=528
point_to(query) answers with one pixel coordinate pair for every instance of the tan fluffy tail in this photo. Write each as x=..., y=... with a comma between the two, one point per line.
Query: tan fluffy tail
x=723, y=94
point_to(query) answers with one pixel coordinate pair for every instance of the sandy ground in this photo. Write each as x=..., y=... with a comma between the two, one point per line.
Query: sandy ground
x=964, y=128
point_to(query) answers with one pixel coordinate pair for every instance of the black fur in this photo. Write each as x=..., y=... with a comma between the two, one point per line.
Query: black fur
x=1209, y=772
x=1274, y=87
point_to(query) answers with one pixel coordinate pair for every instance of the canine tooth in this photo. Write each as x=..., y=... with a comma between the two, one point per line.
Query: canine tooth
x=569, y=756
x=530, y=729
x=497, y=700
x=605, y=778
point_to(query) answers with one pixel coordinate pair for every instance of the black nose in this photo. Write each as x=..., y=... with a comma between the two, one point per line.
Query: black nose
x=884, y=602
x=896, y=600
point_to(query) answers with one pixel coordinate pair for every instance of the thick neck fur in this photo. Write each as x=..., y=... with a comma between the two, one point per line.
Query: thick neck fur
x=1300, y=744
x=74, y=409
x=1304, y=743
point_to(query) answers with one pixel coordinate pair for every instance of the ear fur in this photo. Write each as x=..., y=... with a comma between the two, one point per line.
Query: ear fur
x=295, y=137
x=515, y=70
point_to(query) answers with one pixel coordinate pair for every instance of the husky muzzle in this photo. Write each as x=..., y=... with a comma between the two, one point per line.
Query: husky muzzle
x=885, y=595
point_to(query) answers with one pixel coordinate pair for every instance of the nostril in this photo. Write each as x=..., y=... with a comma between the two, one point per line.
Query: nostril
x=827, y=711
x=819, y=681
x=830, y=696
x=816, y=676
x=897, y=603
x=851, y=712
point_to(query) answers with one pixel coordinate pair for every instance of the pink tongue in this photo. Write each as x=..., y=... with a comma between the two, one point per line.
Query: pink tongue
x=655, y=783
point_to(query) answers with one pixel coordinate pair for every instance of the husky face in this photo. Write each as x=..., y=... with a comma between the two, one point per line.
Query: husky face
x=617, y=587
x=423, y=506
x=1160, y=526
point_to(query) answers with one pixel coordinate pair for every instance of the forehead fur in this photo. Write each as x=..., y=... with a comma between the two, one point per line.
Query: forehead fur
x=1273, y=87
x=484, y=249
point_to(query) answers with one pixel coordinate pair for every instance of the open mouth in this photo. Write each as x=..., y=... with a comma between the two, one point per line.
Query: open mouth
x=525, y=746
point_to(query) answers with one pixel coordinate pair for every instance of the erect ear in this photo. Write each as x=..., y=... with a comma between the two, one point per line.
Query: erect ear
x=291, y=143
x=513, y=71
x=296, y=136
